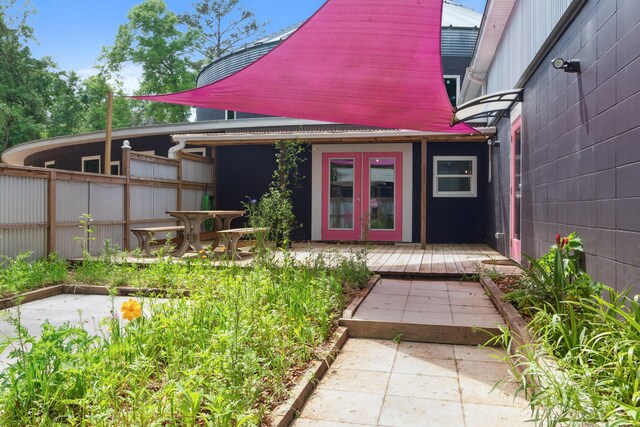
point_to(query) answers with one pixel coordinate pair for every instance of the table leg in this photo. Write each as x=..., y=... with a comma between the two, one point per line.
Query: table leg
x=144, y=241
x=187, y=236
x=231, y=244
x=197, y=245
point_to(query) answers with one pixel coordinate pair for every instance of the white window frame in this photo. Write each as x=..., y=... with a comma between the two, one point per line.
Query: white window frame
x=50, y=164
x=474, y=176
x=457, y=78
x=115, y=163
x=200, y=151
x=98, y=158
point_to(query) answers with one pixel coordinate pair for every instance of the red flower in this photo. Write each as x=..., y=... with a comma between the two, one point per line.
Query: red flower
x=558, y=239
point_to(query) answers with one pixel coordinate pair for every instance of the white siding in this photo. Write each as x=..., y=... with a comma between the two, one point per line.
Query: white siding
x=529, y=26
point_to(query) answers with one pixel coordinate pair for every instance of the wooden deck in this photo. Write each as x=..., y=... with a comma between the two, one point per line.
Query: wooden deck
x=408, y=259
x=398, y=260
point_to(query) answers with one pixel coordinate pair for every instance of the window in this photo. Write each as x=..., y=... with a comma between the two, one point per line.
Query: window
x=452, y=83
x=229, y=115
x=454, y=176
x=51, y=164
x=202, y=151
x=91, y=164
x=115, y=168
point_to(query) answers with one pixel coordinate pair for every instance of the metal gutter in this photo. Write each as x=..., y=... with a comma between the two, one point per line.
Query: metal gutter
x=18, y=153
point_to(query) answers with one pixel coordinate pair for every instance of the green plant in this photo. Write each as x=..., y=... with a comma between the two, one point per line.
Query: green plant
x=582, y=368
x=88, y=230
x=274, y=210
x=219, y=357
x=19, y=274
x=555, y=278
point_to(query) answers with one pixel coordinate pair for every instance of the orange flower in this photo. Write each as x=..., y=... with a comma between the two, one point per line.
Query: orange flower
x=131, y=309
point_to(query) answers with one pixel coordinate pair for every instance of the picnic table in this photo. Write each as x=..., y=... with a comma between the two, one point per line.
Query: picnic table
x=192, y=220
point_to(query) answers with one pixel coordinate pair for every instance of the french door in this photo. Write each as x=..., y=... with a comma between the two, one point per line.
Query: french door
x=362, y=196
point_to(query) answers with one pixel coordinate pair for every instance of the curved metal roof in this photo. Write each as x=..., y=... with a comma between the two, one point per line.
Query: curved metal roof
x=459, y=24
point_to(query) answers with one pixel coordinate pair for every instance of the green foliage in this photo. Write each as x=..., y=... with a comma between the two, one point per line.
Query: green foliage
x=93, y=97
x=275, y=208
x=23, y=79
x=583, y=367
x=219, y=357
x=221, y=26
x=152, y=39
x=21, y=275
x=555, y=278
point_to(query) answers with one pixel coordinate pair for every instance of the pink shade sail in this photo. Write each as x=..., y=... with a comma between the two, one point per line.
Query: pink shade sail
x=366, y=62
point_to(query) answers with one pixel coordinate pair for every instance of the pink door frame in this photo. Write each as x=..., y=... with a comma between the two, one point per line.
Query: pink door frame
x=514, y=244
x=342, y=234
x=394, y=235
x=361, y=197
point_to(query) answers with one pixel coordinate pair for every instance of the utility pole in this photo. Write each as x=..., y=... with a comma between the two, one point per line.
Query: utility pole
x=107, y=141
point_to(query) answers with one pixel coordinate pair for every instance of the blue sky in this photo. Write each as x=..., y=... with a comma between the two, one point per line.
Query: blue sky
x=73, y=32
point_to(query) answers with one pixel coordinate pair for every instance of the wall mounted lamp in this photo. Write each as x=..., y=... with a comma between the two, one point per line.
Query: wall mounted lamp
x=571, y=66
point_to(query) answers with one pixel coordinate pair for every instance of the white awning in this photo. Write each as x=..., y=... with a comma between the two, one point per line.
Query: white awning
x=487, y=106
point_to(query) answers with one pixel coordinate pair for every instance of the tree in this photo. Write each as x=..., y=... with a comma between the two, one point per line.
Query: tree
x=220, y=26
x=23, y=80
x=93, y=96
x=65, y=107
x=153, y=40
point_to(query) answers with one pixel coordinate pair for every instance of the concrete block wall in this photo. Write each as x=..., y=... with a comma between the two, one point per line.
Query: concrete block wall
x=581, y=145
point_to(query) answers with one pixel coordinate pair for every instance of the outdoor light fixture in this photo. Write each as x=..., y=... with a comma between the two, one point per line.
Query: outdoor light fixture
x=571, y=66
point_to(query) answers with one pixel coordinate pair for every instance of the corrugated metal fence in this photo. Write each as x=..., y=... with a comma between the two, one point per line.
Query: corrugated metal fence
x=40, y=208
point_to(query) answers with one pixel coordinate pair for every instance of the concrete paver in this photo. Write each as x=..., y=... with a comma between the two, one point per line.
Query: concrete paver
x=85, y=310
x=429, y=302
x=426, y=385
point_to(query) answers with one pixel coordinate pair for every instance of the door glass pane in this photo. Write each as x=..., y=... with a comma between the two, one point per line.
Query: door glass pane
x=518, y=186
x=382, y=182
x=341, y=193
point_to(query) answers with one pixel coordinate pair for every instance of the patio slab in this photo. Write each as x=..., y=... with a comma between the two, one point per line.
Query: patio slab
x=425, y=309
x=85, y=310
x=426, y=384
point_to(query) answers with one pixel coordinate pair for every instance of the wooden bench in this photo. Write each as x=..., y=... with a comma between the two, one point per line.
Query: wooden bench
x=231, y=236
x=145, y=235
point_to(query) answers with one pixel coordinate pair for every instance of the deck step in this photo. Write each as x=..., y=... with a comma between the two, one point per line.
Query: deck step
x=441, y=334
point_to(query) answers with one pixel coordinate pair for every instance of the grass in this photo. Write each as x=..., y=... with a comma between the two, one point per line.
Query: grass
x=19, y=275
x=223, y=356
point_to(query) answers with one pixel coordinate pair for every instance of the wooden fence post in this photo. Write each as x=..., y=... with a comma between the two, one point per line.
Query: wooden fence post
x=51, y=213
x=179, y=199
x=126, y=171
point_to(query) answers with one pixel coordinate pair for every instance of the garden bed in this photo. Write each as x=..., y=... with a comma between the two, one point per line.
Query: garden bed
x=224, y=349
x=576, y=358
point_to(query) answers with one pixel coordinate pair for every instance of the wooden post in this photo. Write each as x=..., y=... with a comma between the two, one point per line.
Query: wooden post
x=423, y=195
x=126, y=171
x=51, y=213
x=282, y=169
x=107, y=141
x=179, y=198
x=214, y=170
